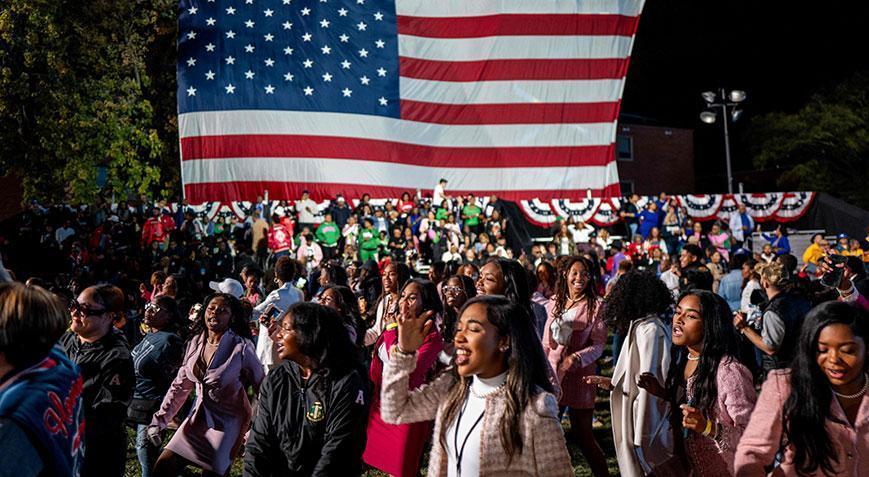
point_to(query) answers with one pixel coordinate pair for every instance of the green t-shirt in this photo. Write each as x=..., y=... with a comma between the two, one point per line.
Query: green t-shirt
x=473, y=213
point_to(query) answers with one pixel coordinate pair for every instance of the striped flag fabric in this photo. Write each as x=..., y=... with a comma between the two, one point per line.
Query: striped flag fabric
x=517, y=98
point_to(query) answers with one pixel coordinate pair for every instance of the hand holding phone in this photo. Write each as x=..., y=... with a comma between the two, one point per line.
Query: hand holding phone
x=269, y=314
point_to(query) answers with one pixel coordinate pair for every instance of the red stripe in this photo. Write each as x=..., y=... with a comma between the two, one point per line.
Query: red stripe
x=518, y=25
x=532, y=113
x=249, y=191
x=232, y=146
x=498, y=70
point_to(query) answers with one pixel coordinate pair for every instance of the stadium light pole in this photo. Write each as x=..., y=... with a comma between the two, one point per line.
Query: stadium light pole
x=729, y=105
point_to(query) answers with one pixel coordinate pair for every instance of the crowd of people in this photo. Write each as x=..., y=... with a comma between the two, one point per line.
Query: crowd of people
x=388, y=337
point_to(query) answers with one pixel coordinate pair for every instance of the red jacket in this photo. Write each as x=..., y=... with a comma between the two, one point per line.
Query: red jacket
x=153, y=231
x=280, y=239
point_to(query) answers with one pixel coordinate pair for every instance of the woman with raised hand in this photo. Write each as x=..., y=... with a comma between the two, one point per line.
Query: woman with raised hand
x=494, y=411
x=396, y=449
x=312, y=408
x=815, y=412
x=641, y=431
x=220, y=363
x=709, y=386
x=573, y=339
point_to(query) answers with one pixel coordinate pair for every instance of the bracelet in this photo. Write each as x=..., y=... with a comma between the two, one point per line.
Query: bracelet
x=708, y=429
x=406, y=353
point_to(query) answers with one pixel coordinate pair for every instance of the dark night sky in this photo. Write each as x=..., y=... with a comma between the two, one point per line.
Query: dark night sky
x=779, y=52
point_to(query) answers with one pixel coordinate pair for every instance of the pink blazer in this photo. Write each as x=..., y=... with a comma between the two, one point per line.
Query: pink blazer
x=762, y=438
x=211, y=435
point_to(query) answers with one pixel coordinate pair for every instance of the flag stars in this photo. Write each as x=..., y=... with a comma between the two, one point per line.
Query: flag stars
x=248, y=2
x=380, y=43
x=249, y=74
x=308, y=63
x=383, y=101
x=361, y=26
x=210, y=47
x=210, y=21
x=191, y=35
x=209, y=75
x=324, y=23
x=326, y=50
x=309, y=91
x=230, y=60
x=230, y=89
x=270, y=62
x=268, y=37
x=288, y=77
x=342, y=12
x=306, y=11
x=288, y=51
x=288, y=26
x=344, y=38
x=345, y=64
x=360, y=2
x=249, y=48
x=381, y=71
x=270, y=89
x=363, y=53
x=287, y=2
x=307, y=37
x=346, y=92
x=191, y=91
x=230, y=11
x=230, y=34
x=268, y=12
x=249, y=23
x=327, y=78
x=365, y=80
x=191, y=61
x=192, y=10
x=378, y=16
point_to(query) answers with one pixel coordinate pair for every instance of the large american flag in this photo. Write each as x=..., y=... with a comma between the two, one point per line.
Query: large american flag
x=513, y=97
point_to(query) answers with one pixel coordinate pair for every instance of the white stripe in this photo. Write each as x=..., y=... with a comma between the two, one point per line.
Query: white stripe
x=507, y=92
x=211, y=123
x=514, y=47
x=473, y=8
x=345, y=171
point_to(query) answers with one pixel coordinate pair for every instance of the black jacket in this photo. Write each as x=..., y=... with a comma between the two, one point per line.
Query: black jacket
x=791, y=307
x=107, y=371
x=312, y=429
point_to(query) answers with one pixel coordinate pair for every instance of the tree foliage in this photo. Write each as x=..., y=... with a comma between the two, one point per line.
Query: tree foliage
x=824, y=146
x=83, y=87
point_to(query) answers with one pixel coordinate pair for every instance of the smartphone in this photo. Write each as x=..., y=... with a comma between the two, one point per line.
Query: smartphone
x=832, y=278
x=300, y=283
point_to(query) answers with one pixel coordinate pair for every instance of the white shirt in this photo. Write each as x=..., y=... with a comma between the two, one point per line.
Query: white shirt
x=470, y=427
x=282, y=298
x=306, y=216
x=438, y=196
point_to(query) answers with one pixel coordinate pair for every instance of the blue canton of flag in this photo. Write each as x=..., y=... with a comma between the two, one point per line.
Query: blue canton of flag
x=295, y=55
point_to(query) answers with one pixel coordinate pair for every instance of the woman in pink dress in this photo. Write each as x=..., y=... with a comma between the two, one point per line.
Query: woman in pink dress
x=396, y=449
x=573, y=340
x=709, y=386
x=220, y=363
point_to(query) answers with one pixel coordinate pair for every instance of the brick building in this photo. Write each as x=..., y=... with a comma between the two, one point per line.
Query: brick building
x=652, y=159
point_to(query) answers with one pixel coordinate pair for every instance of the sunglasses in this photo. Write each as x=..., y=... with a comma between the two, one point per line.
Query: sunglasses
x=453, y=290
x=153, y=306
x=77, y=308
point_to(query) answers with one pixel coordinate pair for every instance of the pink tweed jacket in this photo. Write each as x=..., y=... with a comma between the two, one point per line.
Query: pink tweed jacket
x=544, y=450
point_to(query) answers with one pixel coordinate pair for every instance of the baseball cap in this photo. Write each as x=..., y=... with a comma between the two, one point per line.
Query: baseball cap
x=228, y=285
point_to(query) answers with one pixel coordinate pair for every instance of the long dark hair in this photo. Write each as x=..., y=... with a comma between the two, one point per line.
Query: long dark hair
x=451, y=316
x=175, y=323
x=238, y=322
x=516, y=287
x=428, y=294
x=721, y=342
x=808, y=405
x=348, y=307
x=321, y=336
x=526, y=370
x=402, y=272
x=635, y=295
x=561, y=293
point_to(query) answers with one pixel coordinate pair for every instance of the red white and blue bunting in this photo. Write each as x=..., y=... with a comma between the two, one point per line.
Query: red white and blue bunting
x=764, y=207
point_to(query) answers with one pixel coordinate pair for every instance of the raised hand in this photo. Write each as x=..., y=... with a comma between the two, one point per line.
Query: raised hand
x=412, y=330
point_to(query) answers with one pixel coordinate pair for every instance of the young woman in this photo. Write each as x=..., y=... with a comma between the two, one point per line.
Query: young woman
x=494, y=411
x=397, y=449
x=709, y=386
x=641, y=431
x=501, y=276
x=312, y=408
x=393, y=278
x=156, y=360
x=455, y=292
x=720, y=239
x=818, y=407
x=251, y=277
x=220, y=363
x=342, y=300
x=573, y=340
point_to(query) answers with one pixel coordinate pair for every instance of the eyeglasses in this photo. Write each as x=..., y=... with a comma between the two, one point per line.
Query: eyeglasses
x=152, y=306
x=77, y=308
x=451, y=290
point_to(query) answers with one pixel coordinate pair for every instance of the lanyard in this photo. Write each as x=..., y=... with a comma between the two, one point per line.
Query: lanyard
x=460, y=452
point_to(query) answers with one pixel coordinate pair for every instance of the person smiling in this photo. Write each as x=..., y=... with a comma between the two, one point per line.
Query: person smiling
x=819, y=406
x=710, y=382
x=312, y=409
x=494, y=411
x=221, y=363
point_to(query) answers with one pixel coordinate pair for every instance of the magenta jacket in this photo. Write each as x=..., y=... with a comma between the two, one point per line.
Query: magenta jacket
x=211, y=435
x=765, y=431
